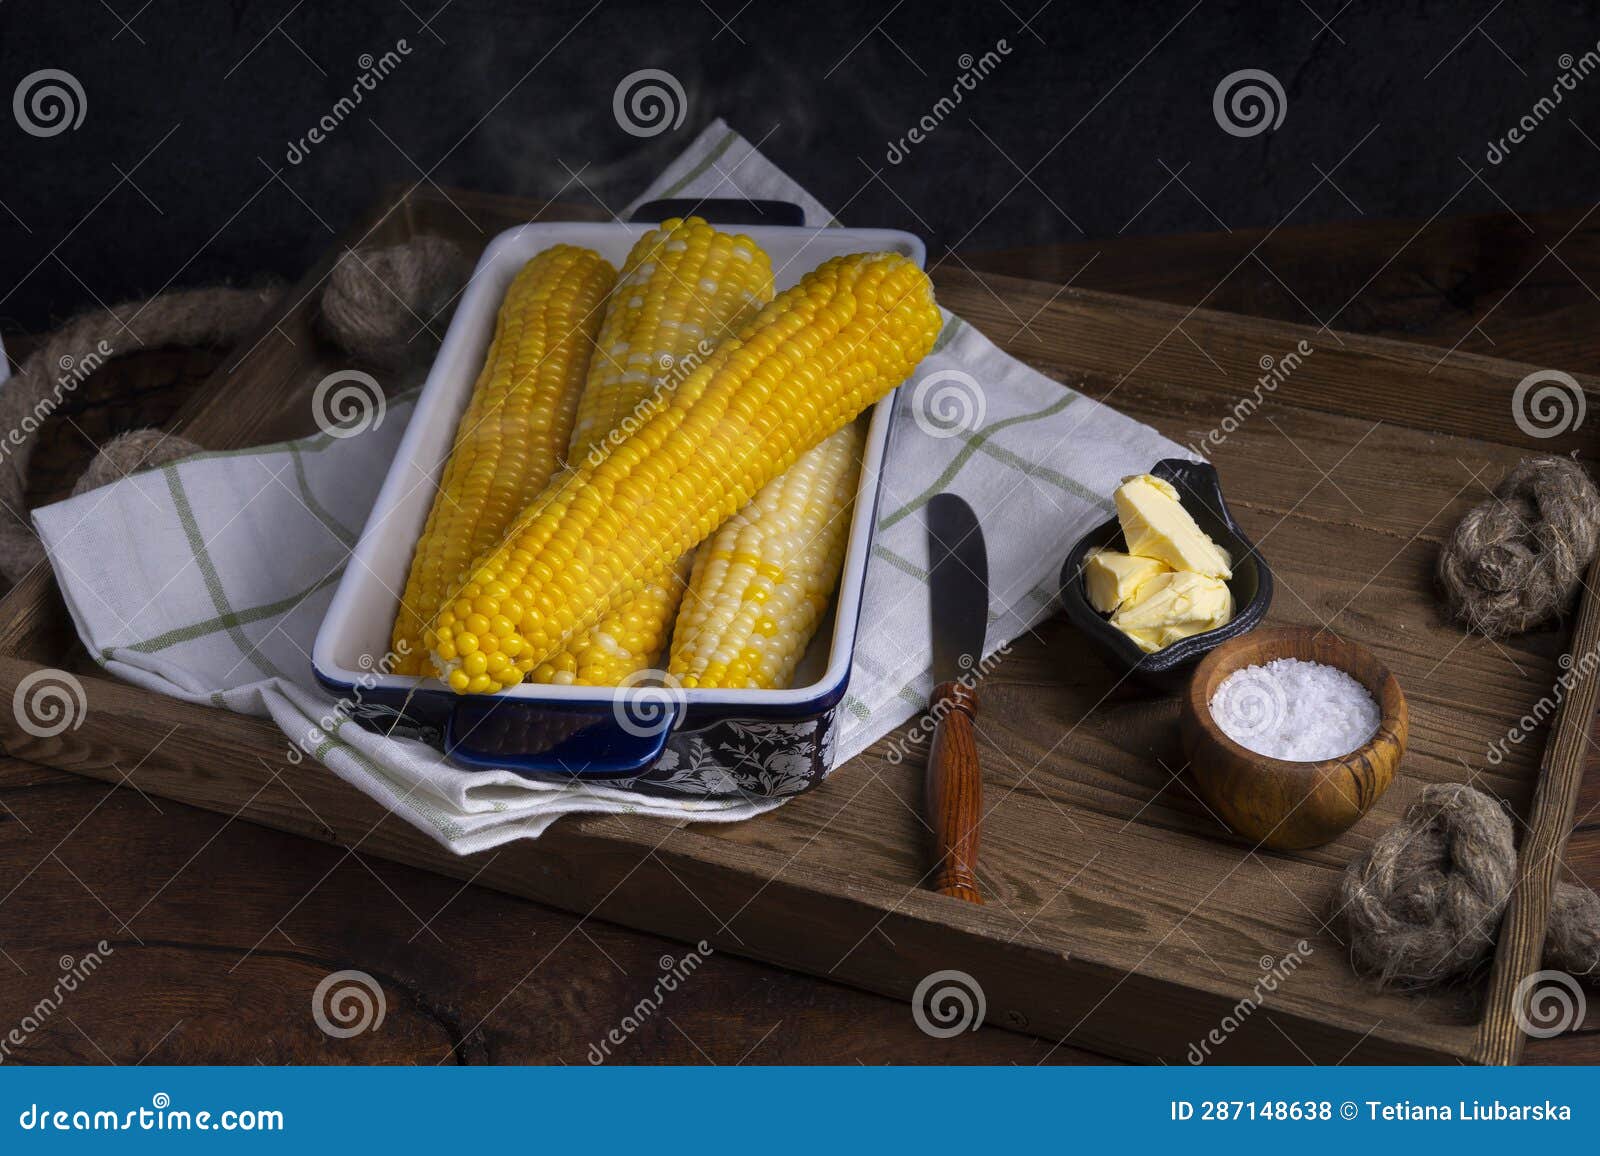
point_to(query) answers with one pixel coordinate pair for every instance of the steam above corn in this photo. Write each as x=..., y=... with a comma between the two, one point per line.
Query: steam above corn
x=700, y=410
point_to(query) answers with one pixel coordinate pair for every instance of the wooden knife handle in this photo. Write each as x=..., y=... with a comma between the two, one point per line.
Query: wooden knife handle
x=953, y=792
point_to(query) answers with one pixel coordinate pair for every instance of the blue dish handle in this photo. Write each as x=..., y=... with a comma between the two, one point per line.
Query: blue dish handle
x=723, y=211
x=554, y=740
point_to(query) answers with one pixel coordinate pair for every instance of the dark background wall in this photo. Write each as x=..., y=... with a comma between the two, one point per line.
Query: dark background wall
x=1109, y=105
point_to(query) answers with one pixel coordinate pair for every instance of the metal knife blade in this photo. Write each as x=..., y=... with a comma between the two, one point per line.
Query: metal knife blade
x=958, y=566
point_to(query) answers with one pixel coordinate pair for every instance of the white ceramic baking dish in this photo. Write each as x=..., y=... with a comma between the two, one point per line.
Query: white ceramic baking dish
x=701, y=742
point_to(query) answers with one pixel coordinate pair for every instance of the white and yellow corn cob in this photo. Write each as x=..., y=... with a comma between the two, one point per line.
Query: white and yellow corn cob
x=761, y=583
x=684, y=288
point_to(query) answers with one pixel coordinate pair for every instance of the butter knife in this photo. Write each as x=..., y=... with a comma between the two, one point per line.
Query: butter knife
x=953, y=788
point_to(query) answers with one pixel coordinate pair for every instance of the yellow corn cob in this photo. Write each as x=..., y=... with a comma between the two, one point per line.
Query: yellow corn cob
x=762, y=581
x=812, y=360
x=510, y=440
x=684, y=287
x=627, y=639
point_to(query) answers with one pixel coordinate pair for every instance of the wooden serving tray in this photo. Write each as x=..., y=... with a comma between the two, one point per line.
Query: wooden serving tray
x=1121, y=916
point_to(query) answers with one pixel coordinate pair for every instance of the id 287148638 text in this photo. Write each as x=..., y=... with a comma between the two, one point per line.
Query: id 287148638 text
x=1377, y=1111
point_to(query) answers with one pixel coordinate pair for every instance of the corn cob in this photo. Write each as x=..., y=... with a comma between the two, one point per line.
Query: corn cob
x=510, y=441
x=683, y=289
x=819, y=354
x=762, y=581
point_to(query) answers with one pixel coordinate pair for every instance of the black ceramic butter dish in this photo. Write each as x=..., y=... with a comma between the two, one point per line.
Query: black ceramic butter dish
x=1169, y=668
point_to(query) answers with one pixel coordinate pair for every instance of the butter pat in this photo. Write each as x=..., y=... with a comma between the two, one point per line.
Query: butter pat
x=1174, y=605
x=1111, y=578
x=1162, y=637
x=1170, y=584
x=1155, y=525
x=1148, y=641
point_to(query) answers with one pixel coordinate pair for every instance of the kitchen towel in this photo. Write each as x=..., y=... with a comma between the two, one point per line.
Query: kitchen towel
x=206, y=579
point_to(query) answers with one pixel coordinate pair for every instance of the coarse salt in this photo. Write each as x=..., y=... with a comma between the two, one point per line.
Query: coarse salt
x=1294, y=710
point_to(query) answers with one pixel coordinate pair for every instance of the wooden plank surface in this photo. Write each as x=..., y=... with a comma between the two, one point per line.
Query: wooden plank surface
x=1521, y=948
x=877, y=817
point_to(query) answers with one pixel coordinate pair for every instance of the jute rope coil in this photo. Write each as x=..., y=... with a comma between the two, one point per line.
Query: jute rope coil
x=186, y=318
x=138, y=449
x=383, y=305
x=1424, y=905
x=370, y=308
x=1516, y=560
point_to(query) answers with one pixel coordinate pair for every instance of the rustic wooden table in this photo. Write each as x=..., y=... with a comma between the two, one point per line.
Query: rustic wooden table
x=77, y=859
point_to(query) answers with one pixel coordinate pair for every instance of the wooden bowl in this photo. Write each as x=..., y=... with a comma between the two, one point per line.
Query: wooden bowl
x=1274, y=802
